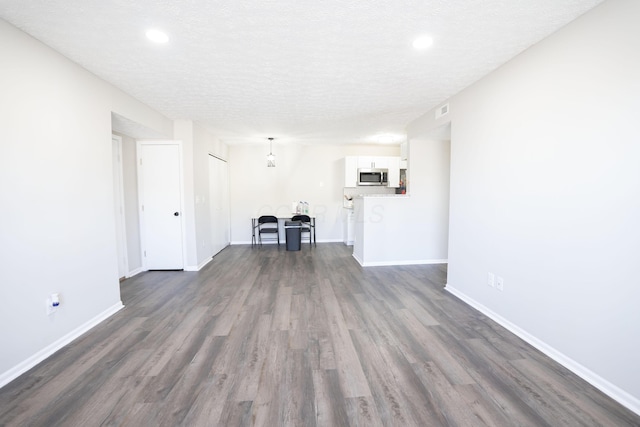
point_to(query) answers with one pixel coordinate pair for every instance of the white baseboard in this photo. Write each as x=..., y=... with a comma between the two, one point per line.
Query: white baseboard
x=401, y=262
x=613, y=391
x=248, y=242
x=357, y=259
x=22, y=367
x=199, y=266
x=134, y=272
x=270, y=242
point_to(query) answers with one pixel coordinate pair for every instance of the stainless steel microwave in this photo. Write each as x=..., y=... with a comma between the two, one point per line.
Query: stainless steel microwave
x=373, y=177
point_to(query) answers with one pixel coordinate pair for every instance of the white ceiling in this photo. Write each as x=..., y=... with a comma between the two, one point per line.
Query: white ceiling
x=308, y=71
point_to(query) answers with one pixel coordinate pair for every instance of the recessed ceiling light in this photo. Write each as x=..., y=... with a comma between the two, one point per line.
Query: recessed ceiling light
x=422, y=42
x=157, y=36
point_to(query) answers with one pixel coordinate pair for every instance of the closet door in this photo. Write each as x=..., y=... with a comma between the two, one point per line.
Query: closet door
x=160, y=192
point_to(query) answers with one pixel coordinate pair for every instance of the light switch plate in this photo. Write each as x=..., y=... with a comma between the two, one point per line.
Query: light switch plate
x=491, y=280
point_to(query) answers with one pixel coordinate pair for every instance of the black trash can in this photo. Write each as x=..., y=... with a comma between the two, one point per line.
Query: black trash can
x=293, y=235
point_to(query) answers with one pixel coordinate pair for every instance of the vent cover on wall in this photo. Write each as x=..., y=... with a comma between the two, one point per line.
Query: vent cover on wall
x=442, y=111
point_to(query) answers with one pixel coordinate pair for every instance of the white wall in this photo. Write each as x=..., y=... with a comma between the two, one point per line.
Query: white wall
x=428, y=181
x=545, y=192
x=197, y=144
x=56, y=223
x=132, y=218
x=310, y=173
x=205, y=143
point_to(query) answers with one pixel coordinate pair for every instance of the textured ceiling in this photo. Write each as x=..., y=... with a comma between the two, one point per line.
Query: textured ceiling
x=308, y=71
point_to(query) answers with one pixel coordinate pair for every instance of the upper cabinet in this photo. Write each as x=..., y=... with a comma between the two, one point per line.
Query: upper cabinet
x=393, y=165
x=353, y=163
x=404, y=151
x=368, y=162
x=350, y=171
x=404, y=155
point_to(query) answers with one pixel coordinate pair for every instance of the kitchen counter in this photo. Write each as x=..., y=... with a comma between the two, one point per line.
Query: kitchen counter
x=391, y=229
x=373, y=196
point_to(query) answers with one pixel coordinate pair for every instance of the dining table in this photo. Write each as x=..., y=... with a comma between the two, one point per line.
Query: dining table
x=312, y=225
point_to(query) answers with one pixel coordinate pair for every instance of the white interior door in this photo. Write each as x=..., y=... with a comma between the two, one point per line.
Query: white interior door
x=160, y=192
x=219, y=204
x=118, y=203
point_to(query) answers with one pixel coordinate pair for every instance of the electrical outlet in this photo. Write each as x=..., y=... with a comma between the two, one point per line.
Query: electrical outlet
x=491, y=280
x=500, y=284
x=53, y=302
x=50, y=307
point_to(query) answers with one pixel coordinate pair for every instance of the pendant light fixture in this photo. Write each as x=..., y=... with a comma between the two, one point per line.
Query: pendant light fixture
x=271, y=159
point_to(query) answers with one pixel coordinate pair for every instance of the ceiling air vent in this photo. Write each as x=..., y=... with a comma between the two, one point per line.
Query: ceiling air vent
x=442, y=111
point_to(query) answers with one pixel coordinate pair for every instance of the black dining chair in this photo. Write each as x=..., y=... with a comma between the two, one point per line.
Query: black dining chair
x=306, y=224
x=268, y=225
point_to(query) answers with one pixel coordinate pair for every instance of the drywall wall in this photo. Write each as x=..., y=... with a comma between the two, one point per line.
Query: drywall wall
x=429, y=188
x=545, y=193
x=132, y=218
x=57, y=222
x=205, y=144
x=310, y=173
x=197, y=143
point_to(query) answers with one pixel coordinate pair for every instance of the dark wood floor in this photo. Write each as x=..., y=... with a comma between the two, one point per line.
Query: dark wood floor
x=271, y=338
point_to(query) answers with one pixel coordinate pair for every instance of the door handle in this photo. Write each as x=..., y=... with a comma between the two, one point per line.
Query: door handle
x=176, y=214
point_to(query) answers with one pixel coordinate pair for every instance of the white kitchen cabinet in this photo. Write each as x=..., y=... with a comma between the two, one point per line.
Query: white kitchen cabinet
x=404, y=151
x=393, y=166
x=349, y=227
x=365, y=162
x=351, y=171
x=353, y=163
x=368, y=162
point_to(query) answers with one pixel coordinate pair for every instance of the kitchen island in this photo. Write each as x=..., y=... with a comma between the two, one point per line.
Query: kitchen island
x=396, y=229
